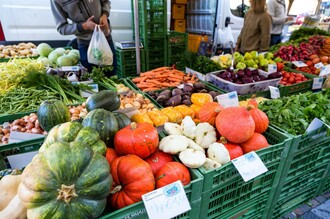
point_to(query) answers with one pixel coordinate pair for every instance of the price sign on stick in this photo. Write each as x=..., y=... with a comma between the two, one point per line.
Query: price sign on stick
x=274, y=92
x=166, y=202
x=249, y=166
x=228, y=99
x=317, y=83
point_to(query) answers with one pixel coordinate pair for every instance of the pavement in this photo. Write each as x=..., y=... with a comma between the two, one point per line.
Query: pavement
x=317, y=208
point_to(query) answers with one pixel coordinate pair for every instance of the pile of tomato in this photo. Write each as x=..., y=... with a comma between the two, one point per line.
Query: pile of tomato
x=290, y=78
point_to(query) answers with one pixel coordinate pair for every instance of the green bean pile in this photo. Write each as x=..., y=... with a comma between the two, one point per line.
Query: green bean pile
x=22, y=99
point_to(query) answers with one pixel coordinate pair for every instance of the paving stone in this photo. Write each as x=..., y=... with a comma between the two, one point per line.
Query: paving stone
x=310, y=215
x=321, y=199
x=298, y=212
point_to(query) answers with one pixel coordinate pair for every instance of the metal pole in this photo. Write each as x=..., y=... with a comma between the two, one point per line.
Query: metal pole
x=135, y=10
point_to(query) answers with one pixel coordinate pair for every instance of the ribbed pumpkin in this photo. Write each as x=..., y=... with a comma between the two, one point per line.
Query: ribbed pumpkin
x=68, y=180
x=122, y=119
x=157, y=160
x=140, y=139
x=260, y=118
x=74, y=131
x=171, y=172
x=132, y=178
x=256, y=142
x=209, y=111
x=110, y=155
x=104, y=99
x=104, y=122
x=51, y=113
x=235, y=124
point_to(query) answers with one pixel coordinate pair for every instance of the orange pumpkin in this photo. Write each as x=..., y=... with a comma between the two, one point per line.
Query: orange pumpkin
x=209, y=112
x=140, y=139
x=256, y=142
x=235, y=124
x=260, y=119
x=253, y=101
x=132, y=178
x=157, y=160
x=171, y=172
x=110, y=155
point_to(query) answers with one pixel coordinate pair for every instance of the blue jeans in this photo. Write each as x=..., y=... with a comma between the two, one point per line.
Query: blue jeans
x=275, y=39
x=83, y=57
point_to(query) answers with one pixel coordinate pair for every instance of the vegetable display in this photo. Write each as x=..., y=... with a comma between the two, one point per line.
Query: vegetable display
x=50, y=189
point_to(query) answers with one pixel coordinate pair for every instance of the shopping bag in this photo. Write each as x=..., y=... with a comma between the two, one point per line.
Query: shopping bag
x=225, y=36
x=99, y=51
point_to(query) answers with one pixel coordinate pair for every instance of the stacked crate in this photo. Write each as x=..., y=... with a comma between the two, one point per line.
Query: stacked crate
x=177, y=49
x=152, y=31
x=126, y=61
x=178, y=21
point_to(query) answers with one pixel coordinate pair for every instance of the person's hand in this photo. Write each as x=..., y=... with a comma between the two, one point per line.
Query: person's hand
x=104, y=25
x=289, y=19
x=89, y=24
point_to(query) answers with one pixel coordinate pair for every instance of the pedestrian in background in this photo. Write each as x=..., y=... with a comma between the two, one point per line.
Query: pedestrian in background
x=255, y=34
x=79, y=17
x=277, y=9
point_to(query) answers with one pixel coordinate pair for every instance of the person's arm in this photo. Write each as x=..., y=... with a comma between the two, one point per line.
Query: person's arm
x=62, y=25
x=239, y=38
x=271, y=10
x=104, y=16
x=265, y=26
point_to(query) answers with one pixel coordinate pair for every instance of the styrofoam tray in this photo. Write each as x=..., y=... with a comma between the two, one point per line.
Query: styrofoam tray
x=243, y=89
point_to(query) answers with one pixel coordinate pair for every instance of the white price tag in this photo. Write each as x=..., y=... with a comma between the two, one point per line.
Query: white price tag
x=317, y=83
x=70, y=68
x=166, y=202
x=228, y=99
x=19, y=161
x=318, y=65
x=315, y=124
x=299, y=64
x=272, y=68
x=274, y=92
x=249, y=166
x=325, y=70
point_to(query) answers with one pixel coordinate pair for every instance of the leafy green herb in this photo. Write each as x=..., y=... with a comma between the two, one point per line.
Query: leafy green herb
x=294, y=113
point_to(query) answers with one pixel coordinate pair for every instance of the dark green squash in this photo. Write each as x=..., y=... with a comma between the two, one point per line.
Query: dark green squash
x=68, y=180
x=122, y=119
x=75, y=132
x=104, y=99
x=51, y=113
x=104, y=122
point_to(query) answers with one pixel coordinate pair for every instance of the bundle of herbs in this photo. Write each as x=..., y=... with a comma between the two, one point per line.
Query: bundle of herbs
x=294, y=113
x=68, y=92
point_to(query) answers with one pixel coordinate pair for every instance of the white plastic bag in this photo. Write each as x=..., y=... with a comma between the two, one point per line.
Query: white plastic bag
x=225, y=36
x=99, y=51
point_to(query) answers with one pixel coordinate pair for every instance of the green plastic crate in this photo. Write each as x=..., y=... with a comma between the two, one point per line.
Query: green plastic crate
x=224, y=189
x=309, y=157
x=251, y=209
x=288, y=204
x=137, y=210
x=19, y=148
x=126, y=60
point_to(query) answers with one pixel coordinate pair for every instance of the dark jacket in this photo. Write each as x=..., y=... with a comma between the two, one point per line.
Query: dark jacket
x=78, y=11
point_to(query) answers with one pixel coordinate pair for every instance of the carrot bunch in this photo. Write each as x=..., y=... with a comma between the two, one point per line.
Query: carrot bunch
x=163, y=77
